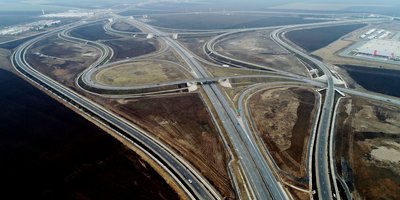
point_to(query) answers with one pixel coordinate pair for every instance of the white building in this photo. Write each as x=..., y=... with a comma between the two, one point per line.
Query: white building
x=370, y=31
x=69, y=14
x=388, y=49
x=384, y=35
x=20, y=29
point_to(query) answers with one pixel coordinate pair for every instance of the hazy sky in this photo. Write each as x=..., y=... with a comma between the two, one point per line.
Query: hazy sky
x=266, y=2
x=233, y=4
x=269, y=2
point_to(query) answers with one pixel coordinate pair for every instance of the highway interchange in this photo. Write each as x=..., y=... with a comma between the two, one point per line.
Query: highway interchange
x=259, y=175
x=176, y=166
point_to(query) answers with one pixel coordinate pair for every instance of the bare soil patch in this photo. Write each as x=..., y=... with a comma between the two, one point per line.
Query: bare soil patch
x=123, y=26
x=133, y=47
x=183, y=123
x=283, y=117
x=195, y=44
x=258, y=48
x=299, y=195
x=92, y=32
x=61, y=60
x=367, y=146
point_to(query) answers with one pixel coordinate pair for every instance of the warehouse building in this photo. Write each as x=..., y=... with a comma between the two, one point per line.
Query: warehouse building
x=386, y=49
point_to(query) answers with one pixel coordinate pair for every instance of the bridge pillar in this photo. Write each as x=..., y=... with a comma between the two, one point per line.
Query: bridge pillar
x=225, y=83
x=192, y=86
x=150, y=36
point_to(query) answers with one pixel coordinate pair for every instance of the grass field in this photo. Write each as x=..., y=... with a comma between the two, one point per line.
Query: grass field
x=140, y=73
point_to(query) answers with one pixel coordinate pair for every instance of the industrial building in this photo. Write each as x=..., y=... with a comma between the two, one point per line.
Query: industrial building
x=20, y=29
x=375, y=34
x=370, y=32
x=386, y=49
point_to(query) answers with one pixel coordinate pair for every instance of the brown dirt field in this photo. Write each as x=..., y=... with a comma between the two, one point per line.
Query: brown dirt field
x=93, y=32
x=364, y=127
x=183, y=123
x=258, y=48
x=300, y=195
x=196, y=45
x=122, y=26
x=61, y=60
x=238, y=85
x=283, y=118
x=132, y=47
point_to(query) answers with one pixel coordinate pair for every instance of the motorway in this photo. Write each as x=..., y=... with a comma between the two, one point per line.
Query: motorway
x=322, y=166
x=322, y=162
x=87, y=79
x=187, y=178
x=240, y=137
x=258, y=173
x=243, y=111
x=321, y=148
x=263, y=183
x=322, y=158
